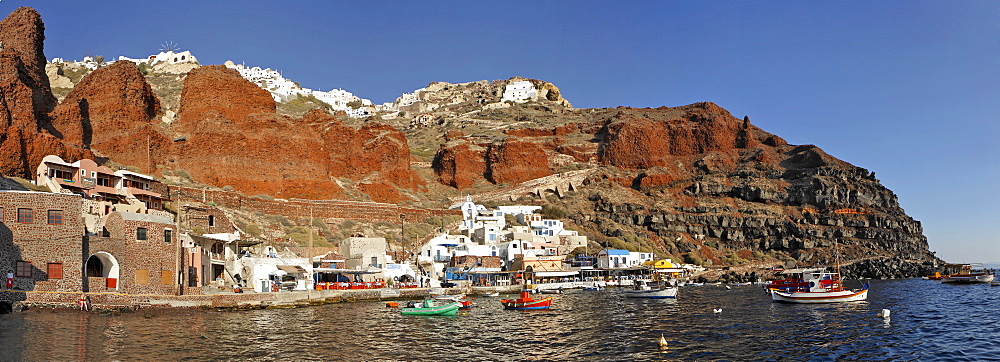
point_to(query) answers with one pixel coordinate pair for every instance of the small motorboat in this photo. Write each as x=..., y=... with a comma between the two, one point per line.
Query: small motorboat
x=431, y=307
x=968, y=273
x=551, y=291
x=594, y=287
x=494, y=294
x=526, y=302
x=641, y=289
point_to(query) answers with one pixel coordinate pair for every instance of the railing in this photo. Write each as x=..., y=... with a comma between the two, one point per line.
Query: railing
x=442, y=258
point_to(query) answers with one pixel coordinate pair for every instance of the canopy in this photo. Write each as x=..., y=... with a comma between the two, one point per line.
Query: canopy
x=291, y=268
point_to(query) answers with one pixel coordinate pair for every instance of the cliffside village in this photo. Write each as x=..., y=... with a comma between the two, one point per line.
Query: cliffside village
x=102, y=231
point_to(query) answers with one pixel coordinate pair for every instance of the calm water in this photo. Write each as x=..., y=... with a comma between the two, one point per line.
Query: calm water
x=930, y=321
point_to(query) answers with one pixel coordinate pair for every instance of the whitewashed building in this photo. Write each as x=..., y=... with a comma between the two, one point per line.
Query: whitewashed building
x=519, y=91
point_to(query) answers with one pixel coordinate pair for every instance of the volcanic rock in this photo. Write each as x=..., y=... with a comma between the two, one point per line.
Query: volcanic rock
x=514, y=161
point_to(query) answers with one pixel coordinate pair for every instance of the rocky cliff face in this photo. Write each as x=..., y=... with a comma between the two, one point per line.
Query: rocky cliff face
x=113, y=111
x=25, y=98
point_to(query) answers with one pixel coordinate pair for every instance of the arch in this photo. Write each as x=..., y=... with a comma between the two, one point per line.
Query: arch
x=102, y=264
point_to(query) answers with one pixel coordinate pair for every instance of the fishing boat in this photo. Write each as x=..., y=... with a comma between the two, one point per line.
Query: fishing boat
x=791, y=280
x=494, y=294
x=969, y=273
x=642, y=289
x=551, y=291
x=431, y=307
x=821, y=287
x=526, y=302
x=593, y=287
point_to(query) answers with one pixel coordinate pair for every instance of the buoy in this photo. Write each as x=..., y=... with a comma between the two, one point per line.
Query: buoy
x=392, y=304
x=884, y=314
x=717, y=310
x=663, y=342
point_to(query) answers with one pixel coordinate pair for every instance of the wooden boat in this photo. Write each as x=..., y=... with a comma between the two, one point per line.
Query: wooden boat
x=430, y=308
x=641, y=289
x=526, y=302
x=968, y=273
x=822, y=287
x=551, y=291
x=995, y=283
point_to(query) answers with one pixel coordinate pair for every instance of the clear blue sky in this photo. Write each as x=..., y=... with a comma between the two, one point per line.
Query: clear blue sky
x=908, y=89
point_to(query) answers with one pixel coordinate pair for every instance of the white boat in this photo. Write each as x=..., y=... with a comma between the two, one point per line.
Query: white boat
x=641, y=289
x=822, y=287
x=968, y=274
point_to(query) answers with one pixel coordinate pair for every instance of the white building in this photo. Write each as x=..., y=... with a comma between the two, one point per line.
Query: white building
x=283, y=89
x=519, y=91
x=620, y=259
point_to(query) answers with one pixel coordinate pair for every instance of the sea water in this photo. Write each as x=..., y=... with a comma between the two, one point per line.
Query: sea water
x=929, y=321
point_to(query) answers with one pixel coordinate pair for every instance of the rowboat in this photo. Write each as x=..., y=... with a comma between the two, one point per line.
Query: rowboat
x=430, y=308
x=643, y=290
x=968, y=274
x=526, y=302
x=820, y=287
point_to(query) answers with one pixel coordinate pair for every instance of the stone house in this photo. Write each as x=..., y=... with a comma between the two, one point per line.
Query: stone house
x=42, y=242
x=136, y=254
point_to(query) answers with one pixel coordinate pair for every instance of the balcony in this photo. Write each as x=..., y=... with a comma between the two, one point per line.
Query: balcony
x=442, y=258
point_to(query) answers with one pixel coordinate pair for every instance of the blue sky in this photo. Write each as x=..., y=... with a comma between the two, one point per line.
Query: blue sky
x=908, y=89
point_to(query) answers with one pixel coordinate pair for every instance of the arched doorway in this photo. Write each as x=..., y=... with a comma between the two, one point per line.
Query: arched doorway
x=103, y=265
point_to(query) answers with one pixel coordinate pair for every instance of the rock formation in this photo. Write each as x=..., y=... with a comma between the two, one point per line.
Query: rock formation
x=26, y=134
x=113, y=110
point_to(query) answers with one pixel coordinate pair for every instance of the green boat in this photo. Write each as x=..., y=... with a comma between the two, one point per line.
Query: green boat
x=429, y=307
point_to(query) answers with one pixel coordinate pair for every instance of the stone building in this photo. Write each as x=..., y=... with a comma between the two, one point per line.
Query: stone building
x=42, y=242
x=137, y=254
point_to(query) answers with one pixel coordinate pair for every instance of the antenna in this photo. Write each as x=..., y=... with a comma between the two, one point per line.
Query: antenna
x=169, y=46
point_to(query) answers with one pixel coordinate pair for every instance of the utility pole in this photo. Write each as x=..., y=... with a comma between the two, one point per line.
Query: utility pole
x=310, y=256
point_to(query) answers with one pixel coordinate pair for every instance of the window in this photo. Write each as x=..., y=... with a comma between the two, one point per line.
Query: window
x=23, y=269
x=83, y=173
x=211, y=220
x=142, y=277
x=93, y=174
x=55, y=217
x=374, y=260
x=140, y=234
x=168, y=235
x=55, y=270
x=24, y=216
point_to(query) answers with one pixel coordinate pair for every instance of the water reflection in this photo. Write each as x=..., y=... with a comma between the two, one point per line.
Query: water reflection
x=930, y=321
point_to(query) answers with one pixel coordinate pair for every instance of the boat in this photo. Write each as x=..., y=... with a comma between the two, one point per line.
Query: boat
x=995, y=283
x=431, y=308
x=642, y=289
x=936, y=276
x=969, y=273
x=791, y=280
x=526, y=302
x=820, y=287
x=457, y=298
x=593, y=287
x=551, y=291
x=494, y=294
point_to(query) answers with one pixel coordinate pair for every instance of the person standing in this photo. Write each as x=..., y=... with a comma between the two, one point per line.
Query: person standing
x=10, y=279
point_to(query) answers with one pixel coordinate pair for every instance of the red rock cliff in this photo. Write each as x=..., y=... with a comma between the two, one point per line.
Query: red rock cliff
x=233, y=137
x=26, y=135
x=113, y=110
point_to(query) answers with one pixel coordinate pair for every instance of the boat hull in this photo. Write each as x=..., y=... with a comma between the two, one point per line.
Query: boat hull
x=653, y=294
x=447, y=309
x=968, y=279
x=839, y=296
x=519, y=304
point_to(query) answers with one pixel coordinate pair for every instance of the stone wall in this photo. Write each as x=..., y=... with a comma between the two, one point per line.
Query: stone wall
x=327, y=209
x=40, y=242
x=142, y=264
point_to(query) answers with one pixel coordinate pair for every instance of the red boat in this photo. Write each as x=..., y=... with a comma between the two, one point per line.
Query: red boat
x=526, y=302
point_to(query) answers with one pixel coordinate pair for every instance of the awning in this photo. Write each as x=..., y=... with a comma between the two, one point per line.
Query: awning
x=291, y=268
x=556, y=273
